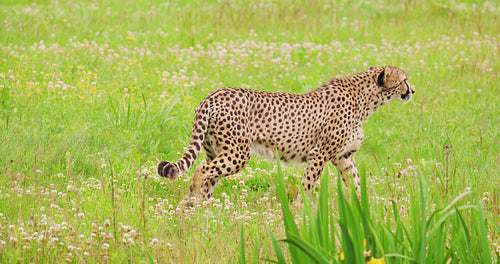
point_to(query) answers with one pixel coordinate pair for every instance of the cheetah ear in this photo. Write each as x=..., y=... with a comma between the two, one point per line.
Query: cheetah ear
x=371, y=68
x=382, y=77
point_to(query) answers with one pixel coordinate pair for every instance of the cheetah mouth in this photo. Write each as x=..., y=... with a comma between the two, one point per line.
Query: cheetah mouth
x=407, y=96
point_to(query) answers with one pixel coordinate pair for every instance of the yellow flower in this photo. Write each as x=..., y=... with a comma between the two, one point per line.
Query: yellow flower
x=130, y=37
x=376, y=261
x=342, y=257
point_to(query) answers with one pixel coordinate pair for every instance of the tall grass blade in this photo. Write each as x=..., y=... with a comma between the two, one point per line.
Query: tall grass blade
x=398, y=235
x=399, y=256
x=127, y=111
x=150, y=258
x=445, y=217
x=242, y=247
x=483, y=236
x=492, y=222
x=314, y=254
x=308, y=228
x=256, y=254
x=422, y=234
x=114, y=111
x=458, y=198
x=163, y=113
x=290, y=227
x=466, y=232
x=323, y=214
x=276, y=246
x=352, y=242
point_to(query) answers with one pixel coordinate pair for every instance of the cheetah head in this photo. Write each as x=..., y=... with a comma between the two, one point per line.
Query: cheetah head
x=392, y=83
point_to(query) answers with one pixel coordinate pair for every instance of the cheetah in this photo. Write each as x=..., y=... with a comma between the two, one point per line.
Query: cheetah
x=321, y=126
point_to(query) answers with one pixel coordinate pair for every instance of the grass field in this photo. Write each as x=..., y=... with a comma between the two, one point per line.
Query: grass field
x=94, y=93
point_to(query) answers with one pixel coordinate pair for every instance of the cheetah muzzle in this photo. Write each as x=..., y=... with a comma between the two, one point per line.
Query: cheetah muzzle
x=321, y=126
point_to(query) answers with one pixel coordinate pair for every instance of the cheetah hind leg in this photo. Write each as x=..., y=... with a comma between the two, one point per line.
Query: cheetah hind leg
x=195, y=187
x=215, y=171
x=298, y=201
x=209, y=187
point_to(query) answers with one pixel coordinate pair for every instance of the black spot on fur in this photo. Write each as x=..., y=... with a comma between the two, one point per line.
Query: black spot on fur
x=196, y=145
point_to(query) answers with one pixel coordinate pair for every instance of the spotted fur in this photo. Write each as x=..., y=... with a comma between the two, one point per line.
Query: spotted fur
x=321, y=126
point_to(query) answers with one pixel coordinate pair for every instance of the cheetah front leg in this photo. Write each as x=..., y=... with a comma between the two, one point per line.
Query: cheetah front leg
x=346, y=163
x=315, y=164
x=347, y=167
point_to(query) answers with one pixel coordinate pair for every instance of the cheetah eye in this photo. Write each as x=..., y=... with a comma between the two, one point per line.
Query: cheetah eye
x=394, y=85
x=400, y=83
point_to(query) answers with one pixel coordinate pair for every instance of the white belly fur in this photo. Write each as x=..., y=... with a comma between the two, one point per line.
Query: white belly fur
x=262, y=151
x=355, y=143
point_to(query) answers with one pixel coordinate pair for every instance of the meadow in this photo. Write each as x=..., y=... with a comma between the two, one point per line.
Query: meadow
x=93, y=94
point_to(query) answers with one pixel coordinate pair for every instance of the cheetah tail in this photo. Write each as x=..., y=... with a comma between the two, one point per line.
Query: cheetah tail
x=200, y=125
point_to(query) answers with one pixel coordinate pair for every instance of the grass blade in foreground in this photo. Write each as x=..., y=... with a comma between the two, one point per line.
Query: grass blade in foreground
x=363, y=238
x=242, y=247
x=276, y=246
x=290, y=227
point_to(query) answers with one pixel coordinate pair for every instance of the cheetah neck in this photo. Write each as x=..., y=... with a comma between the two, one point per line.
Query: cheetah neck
x=370, y=98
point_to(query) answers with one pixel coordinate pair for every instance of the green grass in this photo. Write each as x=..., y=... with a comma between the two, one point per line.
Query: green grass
x=93, y=94
x=448, y=234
